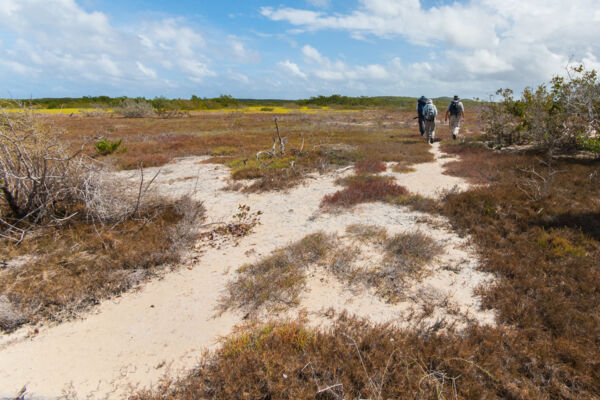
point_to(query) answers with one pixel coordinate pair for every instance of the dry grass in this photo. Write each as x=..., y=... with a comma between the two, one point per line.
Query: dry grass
x=276, y=281
x=317, y=142
x=367, y=233
x=406, y=260
x=72, y=267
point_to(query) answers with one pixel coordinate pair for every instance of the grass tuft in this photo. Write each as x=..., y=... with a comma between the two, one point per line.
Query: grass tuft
x=276, y=281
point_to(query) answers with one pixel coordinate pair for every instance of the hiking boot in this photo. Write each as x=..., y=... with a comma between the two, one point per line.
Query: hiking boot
x=430, y=140
x=454, y=136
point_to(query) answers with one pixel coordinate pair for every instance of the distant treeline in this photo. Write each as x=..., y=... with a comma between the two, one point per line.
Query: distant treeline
x=223, y=101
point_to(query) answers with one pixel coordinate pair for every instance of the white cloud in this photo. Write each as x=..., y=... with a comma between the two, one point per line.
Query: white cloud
x=491, y=42
x=58, y=41
x=312, y=54
x=197, y=70
x=149, y=72
x=109, y=66
x=291, y=68
x=19, y=68
x=294, y=16
x=240, y=53
x=327, y=70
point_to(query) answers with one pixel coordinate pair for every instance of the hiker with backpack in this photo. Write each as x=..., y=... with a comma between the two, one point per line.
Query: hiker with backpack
x=429, y=114
x=456, y=111
x=420, y=104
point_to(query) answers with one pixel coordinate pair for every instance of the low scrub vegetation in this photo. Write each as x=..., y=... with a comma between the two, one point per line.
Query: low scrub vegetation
x=406, y=260
x=63, y=270
x=353, y=359
x=544, y=253
x=363, y=189
x=316, y=142
x=276, y=281
x=369, y=167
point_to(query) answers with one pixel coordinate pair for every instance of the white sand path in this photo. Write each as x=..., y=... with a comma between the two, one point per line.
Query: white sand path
x=166, y=325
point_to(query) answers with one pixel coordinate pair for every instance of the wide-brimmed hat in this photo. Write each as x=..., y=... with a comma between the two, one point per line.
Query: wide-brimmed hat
x=455, y=97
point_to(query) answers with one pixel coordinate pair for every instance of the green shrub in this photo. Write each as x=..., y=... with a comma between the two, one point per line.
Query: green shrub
x=105, y=146
x=592, y=145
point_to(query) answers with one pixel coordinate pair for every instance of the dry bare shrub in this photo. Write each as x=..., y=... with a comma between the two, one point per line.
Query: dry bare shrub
x=39, y=177
x=277, y=280
x=130, y=108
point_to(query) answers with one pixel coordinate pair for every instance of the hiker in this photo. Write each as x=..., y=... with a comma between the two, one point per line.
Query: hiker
x=456, y=110
x=420, y=104
x=429, y=114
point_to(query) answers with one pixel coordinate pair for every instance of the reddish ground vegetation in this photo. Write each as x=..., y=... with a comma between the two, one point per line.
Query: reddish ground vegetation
x=369, y=166
x=363, y=191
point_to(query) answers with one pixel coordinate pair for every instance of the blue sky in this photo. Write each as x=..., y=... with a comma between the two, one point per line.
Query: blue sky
x=289, y=49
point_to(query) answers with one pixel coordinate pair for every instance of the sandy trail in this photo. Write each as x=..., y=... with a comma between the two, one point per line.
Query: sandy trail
x=131, y=341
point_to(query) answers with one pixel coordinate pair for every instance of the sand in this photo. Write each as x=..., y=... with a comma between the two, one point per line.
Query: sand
x=165, y=326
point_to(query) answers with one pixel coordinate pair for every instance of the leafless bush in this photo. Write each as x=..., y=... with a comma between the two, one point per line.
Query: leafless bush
x=136, y=109
x=108, y=200
x=38, y=175
x=42, y=183
x=536, y=185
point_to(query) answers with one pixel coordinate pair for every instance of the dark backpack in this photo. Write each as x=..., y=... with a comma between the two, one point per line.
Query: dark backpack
x=454, y=108
x=421, y=104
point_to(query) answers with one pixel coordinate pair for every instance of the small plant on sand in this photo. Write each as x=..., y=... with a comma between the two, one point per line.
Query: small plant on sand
x=403, y=168
x=367, y=233
x=405, y=260
x=241, y=225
